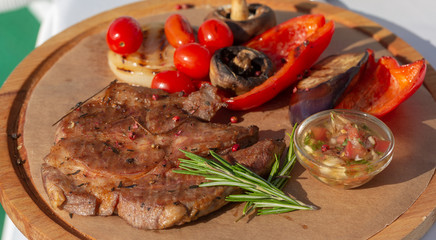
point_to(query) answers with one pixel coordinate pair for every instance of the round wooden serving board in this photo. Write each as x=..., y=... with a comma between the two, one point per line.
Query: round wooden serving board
x=398, y=204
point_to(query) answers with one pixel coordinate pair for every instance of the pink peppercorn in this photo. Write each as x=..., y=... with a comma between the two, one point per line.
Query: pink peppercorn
x=176, y=118
x=132, y=135
x=235, y=147
x=234, y=119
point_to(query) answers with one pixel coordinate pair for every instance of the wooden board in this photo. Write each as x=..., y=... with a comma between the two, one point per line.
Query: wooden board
x=25, y=203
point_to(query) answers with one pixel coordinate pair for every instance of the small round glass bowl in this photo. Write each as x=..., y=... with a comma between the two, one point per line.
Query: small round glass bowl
x=339, y=173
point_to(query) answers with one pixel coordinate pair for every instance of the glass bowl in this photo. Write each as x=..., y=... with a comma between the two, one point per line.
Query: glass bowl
x=343, y=148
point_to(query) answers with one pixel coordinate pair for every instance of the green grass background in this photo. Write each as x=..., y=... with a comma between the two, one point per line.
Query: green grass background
x=18, y=31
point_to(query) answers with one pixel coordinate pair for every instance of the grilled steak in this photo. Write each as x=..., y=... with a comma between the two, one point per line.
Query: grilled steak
x=115, y=155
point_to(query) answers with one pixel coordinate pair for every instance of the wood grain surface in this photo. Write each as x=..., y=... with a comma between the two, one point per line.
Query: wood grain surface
x=36, y=219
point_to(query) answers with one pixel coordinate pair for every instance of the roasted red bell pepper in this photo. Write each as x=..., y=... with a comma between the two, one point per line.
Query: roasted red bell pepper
x=293, y=46
x=384, y=85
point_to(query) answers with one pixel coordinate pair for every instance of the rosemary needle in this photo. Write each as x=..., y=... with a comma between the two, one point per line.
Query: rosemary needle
x=264, y=195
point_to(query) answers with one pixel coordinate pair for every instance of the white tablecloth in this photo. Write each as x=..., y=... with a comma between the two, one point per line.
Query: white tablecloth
x=413, y=21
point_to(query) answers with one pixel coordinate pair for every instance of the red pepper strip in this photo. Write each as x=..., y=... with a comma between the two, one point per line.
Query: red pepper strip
x=293, y=46
x=384, y=85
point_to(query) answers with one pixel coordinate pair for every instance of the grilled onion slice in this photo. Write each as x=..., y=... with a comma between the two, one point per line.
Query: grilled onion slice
x=154, y=55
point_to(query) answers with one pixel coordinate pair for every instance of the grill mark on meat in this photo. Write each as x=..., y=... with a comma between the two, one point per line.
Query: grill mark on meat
x=119, y=154
x=74, y=173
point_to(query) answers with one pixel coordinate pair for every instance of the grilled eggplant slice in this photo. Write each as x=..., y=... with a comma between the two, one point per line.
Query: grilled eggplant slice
x=325, y=84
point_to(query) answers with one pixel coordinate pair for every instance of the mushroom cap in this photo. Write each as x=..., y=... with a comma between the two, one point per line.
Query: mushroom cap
x=261, y=18
x=239, y=69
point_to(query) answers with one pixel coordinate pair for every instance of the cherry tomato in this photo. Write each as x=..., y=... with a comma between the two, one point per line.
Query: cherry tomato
x=215, y=34
x=199, y=82
x=193, y=60
x=124, y=35
x=178, y=30
x=173, y=81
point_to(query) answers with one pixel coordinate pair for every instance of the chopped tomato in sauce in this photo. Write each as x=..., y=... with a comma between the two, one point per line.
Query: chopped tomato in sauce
x=343, y=142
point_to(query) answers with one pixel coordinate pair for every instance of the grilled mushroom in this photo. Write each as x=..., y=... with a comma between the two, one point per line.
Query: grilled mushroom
x=245, y=21
x=239, y=69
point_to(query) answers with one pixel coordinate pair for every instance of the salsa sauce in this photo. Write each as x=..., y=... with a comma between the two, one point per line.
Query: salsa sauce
x=344, y=152
x=341, y=142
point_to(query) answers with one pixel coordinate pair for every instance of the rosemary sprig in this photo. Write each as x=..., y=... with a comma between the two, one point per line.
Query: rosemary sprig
x=278, y=177
x=261, y=194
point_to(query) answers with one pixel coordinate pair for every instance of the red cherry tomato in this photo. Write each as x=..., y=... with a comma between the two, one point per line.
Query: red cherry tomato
x=193, y=60
x=199, y=82
x=178, y=30
x=124, y=35
x=215, y=34
x=173, y=81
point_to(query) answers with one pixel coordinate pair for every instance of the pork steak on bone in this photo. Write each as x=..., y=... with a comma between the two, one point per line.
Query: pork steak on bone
x=115, y=155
